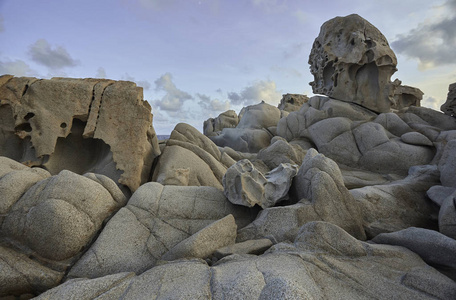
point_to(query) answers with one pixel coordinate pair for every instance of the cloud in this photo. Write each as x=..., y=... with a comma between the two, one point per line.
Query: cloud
x=42, y=53
x=174, y=98
x=101, y=73
x=301, y=16
x=295, y=50
x=142, y=83
x=432, y=102
x=433, y=42
x=259, y=91
x=213, y=105
x=270, y=6
x=16, y=68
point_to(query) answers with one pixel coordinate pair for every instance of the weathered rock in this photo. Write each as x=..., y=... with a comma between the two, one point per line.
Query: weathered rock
x=405, y=96
x=399, y=204
x=15, y=180
x=219, y=234
x=20, y=275
x=416, y=138
x=280, y=151
x=292, y=102
x=447, y=165
x=243, y=140
x=315, y=266
x=248, y=247
x=356, y=178
x=438, y=193
x=188, y=149
x=351, y=60
x=433, y=247
x=155, y=220
x=258, y=116
x=355, y=137
x=447, y=217
x=227, y=119
x=104, y=123
x=58, y=216
x=449, y=107
x=246, y=185
x=319, y=185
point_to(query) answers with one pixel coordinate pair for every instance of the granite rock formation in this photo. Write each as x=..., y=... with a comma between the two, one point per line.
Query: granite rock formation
x=449, y=107
x=351, y=195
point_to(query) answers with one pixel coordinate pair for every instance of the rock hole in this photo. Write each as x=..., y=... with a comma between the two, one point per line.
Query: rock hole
x=24, y=127
x=29, y=116
x=370, y=43
x=370, y=56
x=352, y=42
x=63, y=125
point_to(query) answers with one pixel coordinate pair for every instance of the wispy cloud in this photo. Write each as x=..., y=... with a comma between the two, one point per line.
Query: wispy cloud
x=55, y=58
x=288, y=72
x=174, y=98
x=101, y=73
x=433, y=42
x=258, y=91
x=17, y=67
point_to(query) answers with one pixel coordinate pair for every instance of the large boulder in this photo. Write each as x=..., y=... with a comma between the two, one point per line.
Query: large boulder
x=351, y=60
x=82, y=125
x=227, y=119
x=359, y=138
x=57, y=217
x=189, y=149
x=323, y=262
x=323, y=197
x=156, y=219
x=400, y=204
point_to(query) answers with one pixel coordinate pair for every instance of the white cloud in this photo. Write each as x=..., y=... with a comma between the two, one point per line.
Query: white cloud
x=301, y=16
x=16, y=68
x=433, y=42
x=174, y=98
x=431, y=102
x=101, y=73
x=213, y=105
x=55, y=58
x=259, y=91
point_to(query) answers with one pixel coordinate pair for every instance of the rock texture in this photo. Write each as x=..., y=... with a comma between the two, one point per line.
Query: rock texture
x=105, y=124
x=315, y=266
x=292, y=102
x=449, y=107
x=351, y=60
x=273, y=203
x=156, y=219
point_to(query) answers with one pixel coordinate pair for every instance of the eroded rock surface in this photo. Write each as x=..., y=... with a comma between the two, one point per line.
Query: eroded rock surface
x=81, y=125
x=292, y=102
x=449, y=107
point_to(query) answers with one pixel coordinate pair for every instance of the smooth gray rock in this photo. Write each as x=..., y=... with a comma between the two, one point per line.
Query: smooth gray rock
x=227, y=119
x=248, y=247
x=447, y=216
x=399, y=204
x=315, y=266
x=319, y=185
x=416, y=138
x=58, y=216
x=447, y=165
x=433, y=247
x=280, y=151
x=203, y=243
x=243, y=139
x=258, y=116
x=155, y=219
x=438, y=193
x=20, y=275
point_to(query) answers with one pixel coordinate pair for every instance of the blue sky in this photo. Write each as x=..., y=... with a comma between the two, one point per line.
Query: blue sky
x=196, y=59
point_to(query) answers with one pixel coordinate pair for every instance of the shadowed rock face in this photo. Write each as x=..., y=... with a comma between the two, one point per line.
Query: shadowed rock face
x=81, y=125
x=351, y=60
x=449, y=107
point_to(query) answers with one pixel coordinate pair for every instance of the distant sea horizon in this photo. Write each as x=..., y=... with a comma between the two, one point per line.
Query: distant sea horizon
x=163, y=136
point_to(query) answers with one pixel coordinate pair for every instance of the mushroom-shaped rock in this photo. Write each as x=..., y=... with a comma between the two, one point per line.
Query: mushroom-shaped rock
x=351, y=60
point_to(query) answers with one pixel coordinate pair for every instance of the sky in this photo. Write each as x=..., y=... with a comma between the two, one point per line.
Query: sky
x=198, y=58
